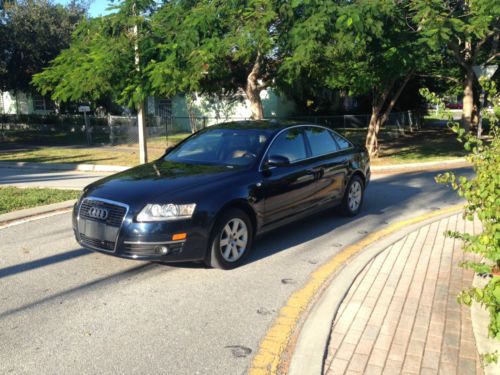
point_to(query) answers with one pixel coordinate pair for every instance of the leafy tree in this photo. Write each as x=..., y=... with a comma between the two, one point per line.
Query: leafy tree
x=481, y=193
x=101, y=60
x=363, y=46
x=466, y=30
x=216, y=47
x=32, y=33
x=107, y=57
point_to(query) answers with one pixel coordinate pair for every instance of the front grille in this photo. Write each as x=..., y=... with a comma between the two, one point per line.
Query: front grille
x=115, y=213
x=98, y=244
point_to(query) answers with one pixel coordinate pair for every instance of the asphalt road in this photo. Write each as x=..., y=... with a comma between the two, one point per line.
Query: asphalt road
x=64, y=309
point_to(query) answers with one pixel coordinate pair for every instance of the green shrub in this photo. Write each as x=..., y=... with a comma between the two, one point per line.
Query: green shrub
x=482, y=193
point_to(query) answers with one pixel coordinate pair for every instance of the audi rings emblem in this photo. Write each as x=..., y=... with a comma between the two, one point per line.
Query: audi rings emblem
x=98, y=213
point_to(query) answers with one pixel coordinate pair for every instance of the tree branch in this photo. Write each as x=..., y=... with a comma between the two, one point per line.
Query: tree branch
x=491, y=58
x=438, y=76
x=395, y=98
x=264, y=85
x=255, y=68
x=456, y=50
x=480, y=44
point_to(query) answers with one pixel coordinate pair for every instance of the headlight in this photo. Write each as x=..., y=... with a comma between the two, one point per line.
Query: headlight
x=163, y=212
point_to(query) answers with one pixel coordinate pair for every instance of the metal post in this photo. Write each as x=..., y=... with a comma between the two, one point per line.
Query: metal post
x=141, y=127
x=141, y=117
x=166, y=129
x=87, y=128
x=480, y=120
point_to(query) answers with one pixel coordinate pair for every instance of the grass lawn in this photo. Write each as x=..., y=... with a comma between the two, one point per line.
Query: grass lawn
x=428, y=144
x=111, y=155
x=432, y=143
x=12, y=198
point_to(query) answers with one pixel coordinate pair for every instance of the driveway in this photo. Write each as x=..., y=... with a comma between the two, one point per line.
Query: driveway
x=64, y=309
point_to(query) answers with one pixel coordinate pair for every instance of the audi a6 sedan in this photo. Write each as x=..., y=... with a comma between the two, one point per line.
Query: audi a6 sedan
x=208, y=197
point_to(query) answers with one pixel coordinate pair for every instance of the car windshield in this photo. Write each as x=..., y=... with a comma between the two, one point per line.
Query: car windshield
x=231, y=147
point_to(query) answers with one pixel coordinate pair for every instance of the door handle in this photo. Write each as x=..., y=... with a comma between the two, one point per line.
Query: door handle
x=317, y=173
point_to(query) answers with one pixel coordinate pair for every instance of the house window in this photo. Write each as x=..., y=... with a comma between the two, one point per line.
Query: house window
x=38, y=103
x=42, y=103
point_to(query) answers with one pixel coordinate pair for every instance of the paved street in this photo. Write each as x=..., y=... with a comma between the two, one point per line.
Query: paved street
x=64, y=309
x=401, y=313
x=32, y=177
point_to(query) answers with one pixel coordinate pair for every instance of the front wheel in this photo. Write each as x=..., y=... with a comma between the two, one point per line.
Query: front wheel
x=231, y=239
x=353, y=197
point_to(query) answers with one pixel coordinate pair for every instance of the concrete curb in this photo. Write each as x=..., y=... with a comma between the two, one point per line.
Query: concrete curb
x=284, y=340
x=64, y=166
x=313, y=338
x=480, y=319
x=417, y=166
x=34, y=212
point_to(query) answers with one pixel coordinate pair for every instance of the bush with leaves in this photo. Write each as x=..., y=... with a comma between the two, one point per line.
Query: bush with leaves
x=482, y=193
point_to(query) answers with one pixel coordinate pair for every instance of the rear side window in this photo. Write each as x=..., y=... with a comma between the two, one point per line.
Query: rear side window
x=341, y=141
x=321, y=141
x=289, y=144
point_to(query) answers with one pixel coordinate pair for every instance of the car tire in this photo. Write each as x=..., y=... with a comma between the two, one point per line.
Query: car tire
x=231, y=239
x=353, y=197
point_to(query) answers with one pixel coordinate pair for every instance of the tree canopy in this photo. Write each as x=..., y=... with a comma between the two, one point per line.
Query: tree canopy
x=361, y=47
x=216, y=46
x=101, y=61
x=466, y=30
x=32, y=33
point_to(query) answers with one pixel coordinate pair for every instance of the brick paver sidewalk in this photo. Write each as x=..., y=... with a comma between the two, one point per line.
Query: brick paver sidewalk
x=401, y=314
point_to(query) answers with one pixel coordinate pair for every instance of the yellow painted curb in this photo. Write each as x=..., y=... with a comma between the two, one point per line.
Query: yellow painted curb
x=273, y=345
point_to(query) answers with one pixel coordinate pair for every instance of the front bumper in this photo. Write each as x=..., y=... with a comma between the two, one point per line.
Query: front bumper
x=143, y=241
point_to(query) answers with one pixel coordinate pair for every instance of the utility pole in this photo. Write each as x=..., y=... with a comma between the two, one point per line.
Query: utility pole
x=141, y=116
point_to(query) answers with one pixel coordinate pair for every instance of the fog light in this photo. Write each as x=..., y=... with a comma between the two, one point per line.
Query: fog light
x=163, y=250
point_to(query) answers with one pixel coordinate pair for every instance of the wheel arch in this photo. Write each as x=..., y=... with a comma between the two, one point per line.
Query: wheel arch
x=245, y=207
x=361, y=175
x=235, y=203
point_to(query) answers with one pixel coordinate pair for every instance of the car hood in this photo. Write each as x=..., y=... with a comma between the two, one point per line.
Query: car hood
x=153, y=181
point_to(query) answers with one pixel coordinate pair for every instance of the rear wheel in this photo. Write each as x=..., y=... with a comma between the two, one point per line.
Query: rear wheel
x=231, y=239
x=353, y=197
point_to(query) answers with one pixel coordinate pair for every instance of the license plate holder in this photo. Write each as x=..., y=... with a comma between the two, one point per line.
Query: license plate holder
x=97, y=231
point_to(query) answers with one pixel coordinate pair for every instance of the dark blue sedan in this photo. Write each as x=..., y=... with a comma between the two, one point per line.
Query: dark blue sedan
x=208, y=197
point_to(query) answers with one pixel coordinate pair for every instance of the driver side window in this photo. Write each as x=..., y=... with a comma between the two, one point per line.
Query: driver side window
x=289, y=144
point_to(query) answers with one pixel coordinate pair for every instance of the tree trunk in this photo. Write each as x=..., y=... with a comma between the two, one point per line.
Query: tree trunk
x=468, y=101
x=190, y=99
x=373, y=129
x=253, y=89
x=377, y=120
x=253, y=96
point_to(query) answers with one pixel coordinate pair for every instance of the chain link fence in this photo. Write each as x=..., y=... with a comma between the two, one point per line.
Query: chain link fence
x=165, y=130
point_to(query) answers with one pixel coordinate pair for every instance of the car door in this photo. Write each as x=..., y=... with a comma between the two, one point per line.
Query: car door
x=287, y=188
x=329, y=165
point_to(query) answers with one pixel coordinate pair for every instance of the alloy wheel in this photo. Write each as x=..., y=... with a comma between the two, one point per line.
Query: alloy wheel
x=354, y=196
x=233, y=240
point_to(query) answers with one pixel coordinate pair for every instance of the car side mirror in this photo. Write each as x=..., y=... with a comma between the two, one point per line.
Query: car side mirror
x=168, y=149
x=277, y=161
